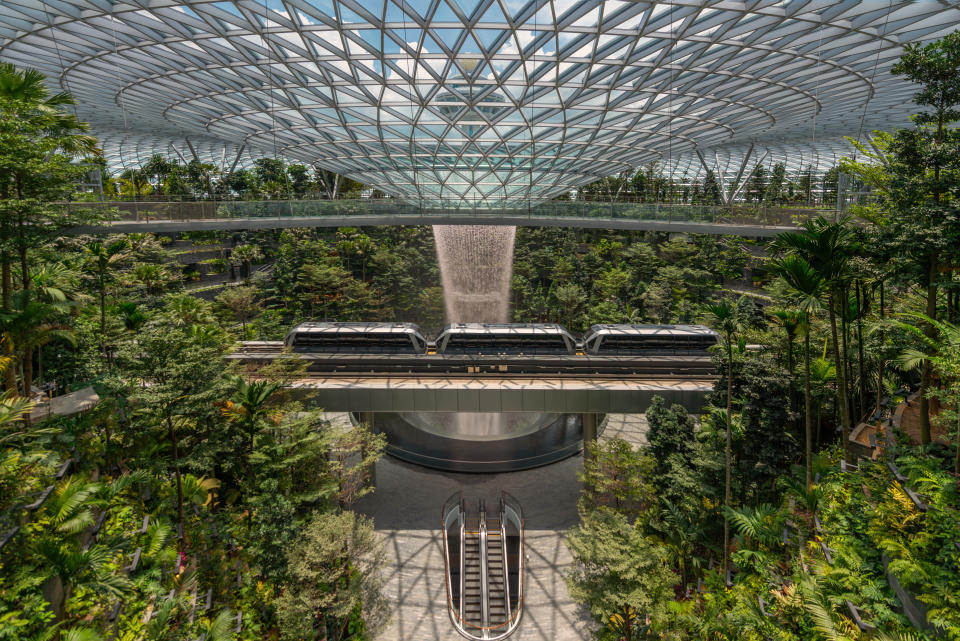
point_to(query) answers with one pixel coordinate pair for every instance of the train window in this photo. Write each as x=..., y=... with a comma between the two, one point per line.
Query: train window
x=503, y=343
x=639, y=339
x=353, y=342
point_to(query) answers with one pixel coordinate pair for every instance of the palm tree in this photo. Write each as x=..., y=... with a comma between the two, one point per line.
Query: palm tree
x=157, y=167
x=246, y=255
x=681, y=531
x=942, y=355
x=790, y=321
x=219, y=628
x=55, y=283
x=365, y=247
x=827, y=247
x=728, y=323
x=64, y=566
x=807, y=289
x=43, y=128
x=758, y=525
x=13, y=409
x=248, y=406
x=29, y=325
x=822, y=374
x=101, y=261
x=137, y=180
x=153, y=276
x=186, y=310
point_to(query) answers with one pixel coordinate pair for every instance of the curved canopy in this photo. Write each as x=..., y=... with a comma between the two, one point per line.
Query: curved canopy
x=497, y=100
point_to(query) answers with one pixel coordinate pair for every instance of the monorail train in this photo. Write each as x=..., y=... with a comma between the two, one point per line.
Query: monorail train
x=505, y=338
x=630, y=340
x=356, y=338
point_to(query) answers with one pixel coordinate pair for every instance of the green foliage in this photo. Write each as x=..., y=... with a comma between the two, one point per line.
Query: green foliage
x=332, y=573
x=617, y=572
x=618, y=476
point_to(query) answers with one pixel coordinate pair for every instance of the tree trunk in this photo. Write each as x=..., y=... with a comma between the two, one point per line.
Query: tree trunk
x=791, y=395
x=56, y=595
x=841, y=382
x=22, y=241
x=808, y=416
x=847, y=367
x=24, y=270
x=726, y=484
x=819, y=422
x=28, y=372
x=860, y=360
x=103, y=319
x=930, y=330
x=10, y=374
x=7, y=280
x=172, y=433
x=956, y=461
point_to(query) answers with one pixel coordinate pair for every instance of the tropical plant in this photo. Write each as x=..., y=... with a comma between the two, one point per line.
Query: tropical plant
x=807, y=289
x=826, y=248
x=727, y=320
x=101, y=263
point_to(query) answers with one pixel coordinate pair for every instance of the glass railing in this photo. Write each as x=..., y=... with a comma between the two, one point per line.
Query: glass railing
x=382, y=210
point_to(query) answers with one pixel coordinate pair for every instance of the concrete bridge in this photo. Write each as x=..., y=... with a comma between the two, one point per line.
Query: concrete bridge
x=572, y=384
x=581, y=395
x=175, y=216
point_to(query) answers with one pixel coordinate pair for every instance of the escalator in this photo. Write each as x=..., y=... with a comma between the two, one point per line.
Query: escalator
x=483, y=557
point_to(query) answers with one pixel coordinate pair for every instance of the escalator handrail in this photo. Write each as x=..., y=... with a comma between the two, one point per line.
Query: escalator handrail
x=456, y=617
x=484, y=579
x=510, y=502
x=506, y=558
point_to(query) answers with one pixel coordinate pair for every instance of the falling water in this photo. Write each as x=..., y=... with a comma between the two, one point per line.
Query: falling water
x=476, y=264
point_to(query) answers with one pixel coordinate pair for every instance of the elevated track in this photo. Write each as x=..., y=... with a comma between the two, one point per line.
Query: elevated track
x=496, y=366
x=490, y=383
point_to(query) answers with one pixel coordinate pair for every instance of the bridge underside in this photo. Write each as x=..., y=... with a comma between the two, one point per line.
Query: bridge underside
x=446, y=394
x=171, y=217
x=238, y=224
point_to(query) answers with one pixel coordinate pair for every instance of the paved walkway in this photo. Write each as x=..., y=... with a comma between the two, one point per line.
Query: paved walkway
x=630, y=427
x=406, y=511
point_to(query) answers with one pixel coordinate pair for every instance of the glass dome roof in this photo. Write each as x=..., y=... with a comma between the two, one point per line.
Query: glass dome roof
x=493, y=100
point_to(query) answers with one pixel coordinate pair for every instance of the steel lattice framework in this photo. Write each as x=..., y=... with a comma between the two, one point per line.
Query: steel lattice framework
x=498, y=100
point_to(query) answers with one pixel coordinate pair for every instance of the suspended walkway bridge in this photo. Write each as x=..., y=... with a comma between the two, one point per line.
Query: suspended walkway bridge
x=175, y=216
x=483, y=560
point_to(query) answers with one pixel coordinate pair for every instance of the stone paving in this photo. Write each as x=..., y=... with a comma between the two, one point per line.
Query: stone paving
x=630, y=427
x=406, y=511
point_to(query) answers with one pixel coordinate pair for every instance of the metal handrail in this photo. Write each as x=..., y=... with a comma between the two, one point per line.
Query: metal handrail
x=505, y=556
x=510, y=508
x=484, y=585
x=513, y=505
x=173, y=210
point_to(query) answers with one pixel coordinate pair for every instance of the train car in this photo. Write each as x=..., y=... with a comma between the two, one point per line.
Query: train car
x=505, y=338
x=356, y=338
x=633, y=340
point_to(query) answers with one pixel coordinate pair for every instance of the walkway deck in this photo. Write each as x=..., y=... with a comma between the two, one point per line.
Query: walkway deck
x=170, y=217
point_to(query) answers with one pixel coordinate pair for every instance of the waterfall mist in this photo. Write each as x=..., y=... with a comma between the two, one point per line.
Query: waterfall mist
x=476, y=264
